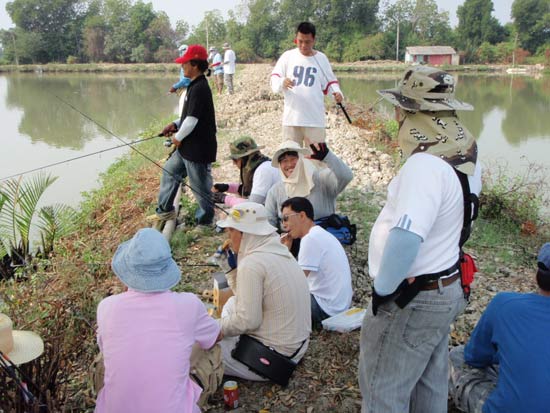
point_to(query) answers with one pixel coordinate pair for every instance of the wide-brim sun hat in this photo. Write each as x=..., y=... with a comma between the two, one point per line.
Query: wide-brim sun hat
x=288, y=146
x=425, y=88
x=19, y=346
x=194, y=52
x=226, y=45
x=145, y=263
x=243, y=146
x=248, y=217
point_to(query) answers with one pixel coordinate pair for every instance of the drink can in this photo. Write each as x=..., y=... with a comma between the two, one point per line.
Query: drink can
x=231, y=394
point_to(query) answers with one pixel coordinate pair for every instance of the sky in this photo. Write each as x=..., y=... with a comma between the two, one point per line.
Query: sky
x=193, y=12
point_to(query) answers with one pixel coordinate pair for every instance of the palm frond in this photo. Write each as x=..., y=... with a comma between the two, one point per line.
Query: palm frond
x=54, y=222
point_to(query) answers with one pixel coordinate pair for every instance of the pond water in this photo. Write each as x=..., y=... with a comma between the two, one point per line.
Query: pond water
x=39, y=129
x=511, y=119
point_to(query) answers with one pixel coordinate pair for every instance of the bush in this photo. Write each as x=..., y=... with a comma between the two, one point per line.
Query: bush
x=71, y=60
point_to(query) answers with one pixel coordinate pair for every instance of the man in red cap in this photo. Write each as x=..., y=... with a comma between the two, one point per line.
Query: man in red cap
x=194, y=134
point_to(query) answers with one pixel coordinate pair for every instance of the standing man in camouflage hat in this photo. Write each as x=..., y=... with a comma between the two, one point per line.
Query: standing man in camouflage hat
x=256, y=173
x=414, y=251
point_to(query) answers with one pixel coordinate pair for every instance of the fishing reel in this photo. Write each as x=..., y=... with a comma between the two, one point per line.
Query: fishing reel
x=168, y=142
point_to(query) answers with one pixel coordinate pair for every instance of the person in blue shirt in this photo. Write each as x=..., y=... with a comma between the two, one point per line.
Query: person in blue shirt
x=217, y=67
x=181, y=85
x=505, y=367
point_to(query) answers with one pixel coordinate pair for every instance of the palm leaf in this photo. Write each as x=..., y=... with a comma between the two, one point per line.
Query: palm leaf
x=54, y=222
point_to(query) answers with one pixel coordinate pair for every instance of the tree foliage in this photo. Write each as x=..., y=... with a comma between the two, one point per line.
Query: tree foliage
x=532, y=19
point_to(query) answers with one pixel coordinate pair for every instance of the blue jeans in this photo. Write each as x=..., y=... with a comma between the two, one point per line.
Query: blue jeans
x=177, y=169
x=317, y=313
x=404, y=362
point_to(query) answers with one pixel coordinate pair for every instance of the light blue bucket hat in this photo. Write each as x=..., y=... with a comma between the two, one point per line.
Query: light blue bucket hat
x=145, y=263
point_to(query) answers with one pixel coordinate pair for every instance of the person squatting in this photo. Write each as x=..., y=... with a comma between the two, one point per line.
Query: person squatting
x=288, y=274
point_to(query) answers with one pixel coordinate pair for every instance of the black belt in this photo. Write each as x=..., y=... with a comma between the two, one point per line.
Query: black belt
x=434, y=285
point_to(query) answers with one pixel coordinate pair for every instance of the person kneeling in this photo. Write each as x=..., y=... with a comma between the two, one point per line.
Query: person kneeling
x=271, y=302
x=505, y=365
x=322, y=259
x=147, y=334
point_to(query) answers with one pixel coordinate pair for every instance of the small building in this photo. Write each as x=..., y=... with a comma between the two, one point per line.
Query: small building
x=432, y=55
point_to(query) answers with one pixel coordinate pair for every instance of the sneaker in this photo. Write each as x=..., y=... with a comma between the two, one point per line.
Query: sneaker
x=163, y=216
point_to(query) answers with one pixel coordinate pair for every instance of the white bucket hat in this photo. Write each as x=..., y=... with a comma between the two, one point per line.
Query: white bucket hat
x=248, y=217
x=19, y=346
x=288, y=146
x=145, y=263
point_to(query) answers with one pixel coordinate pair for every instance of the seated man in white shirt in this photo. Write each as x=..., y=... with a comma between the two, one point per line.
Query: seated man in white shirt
x=321, y=257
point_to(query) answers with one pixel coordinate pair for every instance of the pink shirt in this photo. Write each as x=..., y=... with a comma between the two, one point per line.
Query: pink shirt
x=146, y=340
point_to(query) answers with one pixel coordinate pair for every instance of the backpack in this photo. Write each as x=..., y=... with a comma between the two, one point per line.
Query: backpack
x=340, y=227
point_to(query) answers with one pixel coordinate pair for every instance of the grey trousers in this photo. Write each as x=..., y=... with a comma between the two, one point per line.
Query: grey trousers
x=468, y=386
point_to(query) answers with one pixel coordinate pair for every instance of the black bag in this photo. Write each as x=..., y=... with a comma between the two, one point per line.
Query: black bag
x=264, y=360
x=340, y=227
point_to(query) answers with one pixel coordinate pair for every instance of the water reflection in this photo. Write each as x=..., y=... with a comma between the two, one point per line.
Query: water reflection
x=525, y=102
x=123, y=105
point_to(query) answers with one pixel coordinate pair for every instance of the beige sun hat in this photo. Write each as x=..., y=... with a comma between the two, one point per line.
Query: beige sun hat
x=425, y=88
x=19, y=346
x=248, y=217
x=288, y=146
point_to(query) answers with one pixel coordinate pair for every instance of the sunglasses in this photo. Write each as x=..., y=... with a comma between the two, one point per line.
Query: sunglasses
x=286, y=217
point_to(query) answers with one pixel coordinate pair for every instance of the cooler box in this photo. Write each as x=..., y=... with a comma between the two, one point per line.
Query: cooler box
x=345, y=321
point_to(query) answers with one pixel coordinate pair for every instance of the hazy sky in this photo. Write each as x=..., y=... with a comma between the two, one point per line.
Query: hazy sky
x=193, y=12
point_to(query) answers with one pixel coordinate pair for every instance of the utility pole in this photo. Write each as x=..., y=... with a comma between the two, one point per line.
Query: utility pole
x=397, y=43
x=206, y=18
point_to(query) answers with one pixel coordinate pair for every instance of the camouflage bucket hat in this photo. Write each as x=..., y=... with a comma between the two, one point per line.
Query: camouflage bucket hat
x=425, y=88
x=243, y=146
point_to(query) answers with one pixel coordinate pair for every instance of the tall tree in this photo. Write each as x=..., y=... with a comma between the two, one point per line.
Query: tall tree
x=532, y=20
x=476, y=25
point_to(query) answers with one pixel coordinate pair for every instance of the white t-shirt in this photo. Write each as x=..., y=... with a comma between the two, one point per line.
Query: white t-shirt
x=313, y=79
x=425, y=198
x=329, y=279
x=265, y=176
x=230, y=58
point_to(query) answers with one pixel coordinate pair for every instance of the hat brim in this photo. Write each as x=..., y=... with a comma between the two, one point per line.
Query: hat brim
x=280, y=151
x=396, y=98
x=155, y=279
x=262, y=227
x=242, y=155
x=26, y=347
x=181, y=60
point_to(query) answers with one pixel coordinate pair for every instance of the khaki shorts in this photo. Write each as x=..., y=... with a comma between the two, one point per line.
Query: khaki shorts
x=298, y=133
x=219, y=79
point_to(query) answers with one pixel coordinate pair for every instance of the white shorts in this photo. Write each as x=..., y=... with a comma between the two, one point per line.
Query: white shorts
x=298, y=133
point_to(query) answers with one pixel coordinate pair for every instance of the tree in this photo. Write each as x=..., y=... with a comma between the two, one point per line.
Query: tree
x=532, y=20
x=216, y=29
x=477, y=25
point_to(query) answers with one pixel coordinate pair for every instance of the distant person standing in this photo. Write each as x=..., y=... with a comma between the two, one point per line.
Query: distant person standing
x=217, y=67
x=180, y=87
x=229, y=61
x=304, y=76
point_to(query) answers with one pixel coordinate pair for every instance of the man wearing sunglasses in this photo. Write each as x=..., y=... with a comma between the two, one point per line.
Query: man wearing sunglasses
x=321, y=257
x=505, y=365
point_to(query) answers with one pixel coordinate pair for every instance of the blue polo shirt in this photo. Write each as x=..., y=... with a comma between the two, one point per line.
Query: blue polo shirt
x=514, y=332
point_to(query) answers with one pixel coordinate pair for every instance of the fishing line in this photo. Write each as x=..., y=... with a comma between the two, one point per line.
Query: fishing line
x=179, y=180
x=79, y=157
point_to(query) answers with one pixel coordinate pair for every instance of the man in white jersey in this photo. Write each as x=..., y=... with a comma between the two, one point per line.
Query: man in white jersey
x=414, y=250
x=304, y=76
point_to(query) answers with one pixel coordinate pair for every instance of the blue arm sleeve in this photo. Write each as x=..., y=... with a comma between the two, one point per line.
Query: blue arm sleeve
x=184, y=82
x=480, y=350
x=399, y=254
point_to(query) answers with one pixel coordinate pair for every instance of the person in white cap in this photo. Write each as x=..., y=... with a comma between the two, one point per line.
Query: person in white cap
x=271, y=301
x=229, y=64
x=147, y=333
x=217, y=67
x=303, y=177
x=18, y=346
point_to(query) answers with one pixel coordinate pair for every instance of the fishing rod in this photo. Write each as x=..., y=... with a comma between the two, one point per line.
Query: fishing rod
x=328, y=80
x=179, y=180
x=80, y=157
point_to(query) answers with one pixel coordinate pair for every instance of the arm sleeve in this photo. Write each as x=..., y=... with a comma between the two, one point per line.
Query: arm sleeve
x=248, y=302
x=184, y=82
x=233, y=188
x=206, y=328
x=399, y=254
x=271, y=206
x=262, y=181
x=331, y=84
x=231, y=200
x=259, y=199
x=278, y=75
x=481, y=351
x=341, y=171
x=186, y=127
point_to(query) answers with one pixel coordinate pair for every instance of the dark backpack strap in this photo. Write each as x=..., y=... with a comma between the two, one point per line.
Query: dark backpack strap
x=471, y=207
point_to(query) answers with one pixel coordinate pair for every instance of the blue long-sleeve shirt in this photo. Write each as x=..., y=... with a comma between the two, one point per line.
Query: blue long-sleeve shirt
x=183, y=82
x=514, y=332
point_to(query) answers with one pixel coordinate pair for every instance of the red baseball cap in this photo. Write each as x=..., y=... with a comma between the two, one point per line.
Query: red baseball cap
x=194, y=52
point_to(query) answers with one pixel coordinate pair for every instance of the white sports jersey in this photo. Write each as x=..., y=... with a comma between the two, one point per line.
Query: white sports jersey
x=313, y=79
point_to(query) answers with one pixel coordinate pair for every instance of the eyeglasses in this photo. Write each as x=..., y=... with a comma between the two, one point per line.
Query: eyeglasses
x=286, y=217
